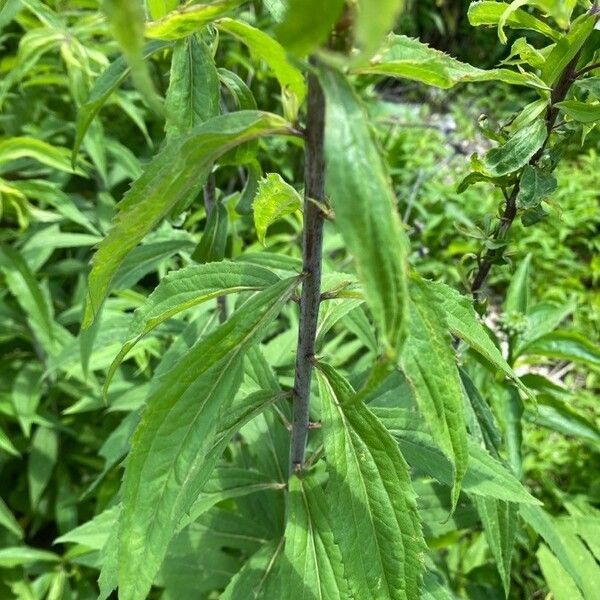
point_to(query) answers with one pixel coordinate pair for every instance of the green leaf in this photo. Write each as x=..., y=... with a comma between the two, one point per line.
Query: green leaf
x=185, y=288
x=429, y=364
x=567, y=48
x=56, y=157
x=189, y=19
x=193, y=96
x=559, y=582
x=102, y=89
x=126, y=18
x=485, y=475
x=374, y=20
x=535, y=186
x=517, y=152
x=584, y=112
x=565, y=345
x=6, y=444
x=264, y=47
x=490, y=13
x=500, y=524
x=463, y=322
x=365, y=207
x=213, y=242
x=179, y=169
x=23, y=555
x=168, y=466
x=510, y=9
x=300, y=32
x=517, y=294
x=313, y=562
x=42, y=460
x=159, y=8
x=8, y=521
x=275, y=199
x=411, y=59
x=373, y=510
x=26, y=394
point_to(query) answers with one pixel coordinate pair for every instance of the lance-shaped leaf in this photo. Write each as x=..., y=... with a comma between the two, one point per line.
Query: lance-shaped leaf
x=178, y=170
x=490, y=13
x=55, y=157
x=213, y=242
x=189, y=19
x=429, y=365
x=193, y=95
x=565, y=345
x=180, y=290
x=409, y=58
x=365, y=207
x=264, y=47
x=584, y=112
x=126, y=18
x=373, y=510
x=500, y=523
x=103, y=87
x=158, y=8
x=168, y=465
x=374, y=20
x=312, y=568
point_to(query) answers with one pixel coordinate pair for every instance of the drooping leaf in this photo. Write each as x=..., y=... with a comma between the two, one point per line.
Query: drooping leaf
x=193, y=94
x=429, y=364
x=264, y=47
x=519, y=149
x=373, y=510
x=275, y=199
x=189, y=19
x=490, y=13
x=14, y=148
x=365, y=207
x=180, y=168
x=167, y=466
x=102, y=89
x=583, y=112
x=312, y=567
x=126, y=18
x=565, y=345
x=213, y=242
x=8, y=521
x=24, y=555
x=182, y=289
x=409, y=58
x=567, y=47
x=300, y=32
x=500, y=524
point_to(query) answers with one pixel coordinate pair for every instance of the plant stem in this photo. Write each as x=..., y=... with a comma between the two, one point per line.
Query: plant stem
x=314, y=189
x=559, y=93
x=210, y=199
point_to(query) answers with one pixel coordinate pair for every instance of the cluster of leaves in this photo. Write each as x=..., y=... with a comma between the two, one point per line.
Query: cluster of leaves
x=152, y=445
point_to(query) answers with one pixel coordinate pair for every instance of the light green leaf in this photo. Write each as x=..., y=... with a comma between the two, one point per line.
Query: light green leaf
x=275, y=199
x=567, y=48
x=517, y=152
x=126, y=18
x=159, y=8
x=411, y=59
x=193, y=95
x=8, y=521
x=26, y=394
x=490, y=13
x=565, y=345
x=485, y=475
x=180, y=290
x=102, y=89
x=584, y=112
x=500, y=524
x=517, y=294
x=42, y=460
x=93, y=533
x=264, y=47
x=168, y=464
x=6, y=444
x=189, y=19
x=365, y=207
x=429, y=364
x=23, y=555
x=374, y=21
x=56, y=157
x=313, y=562
x=508, y=11
x=373, y=510
x=300, y=32
x=559, y=582
x=179, y=169
x=535, y=186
